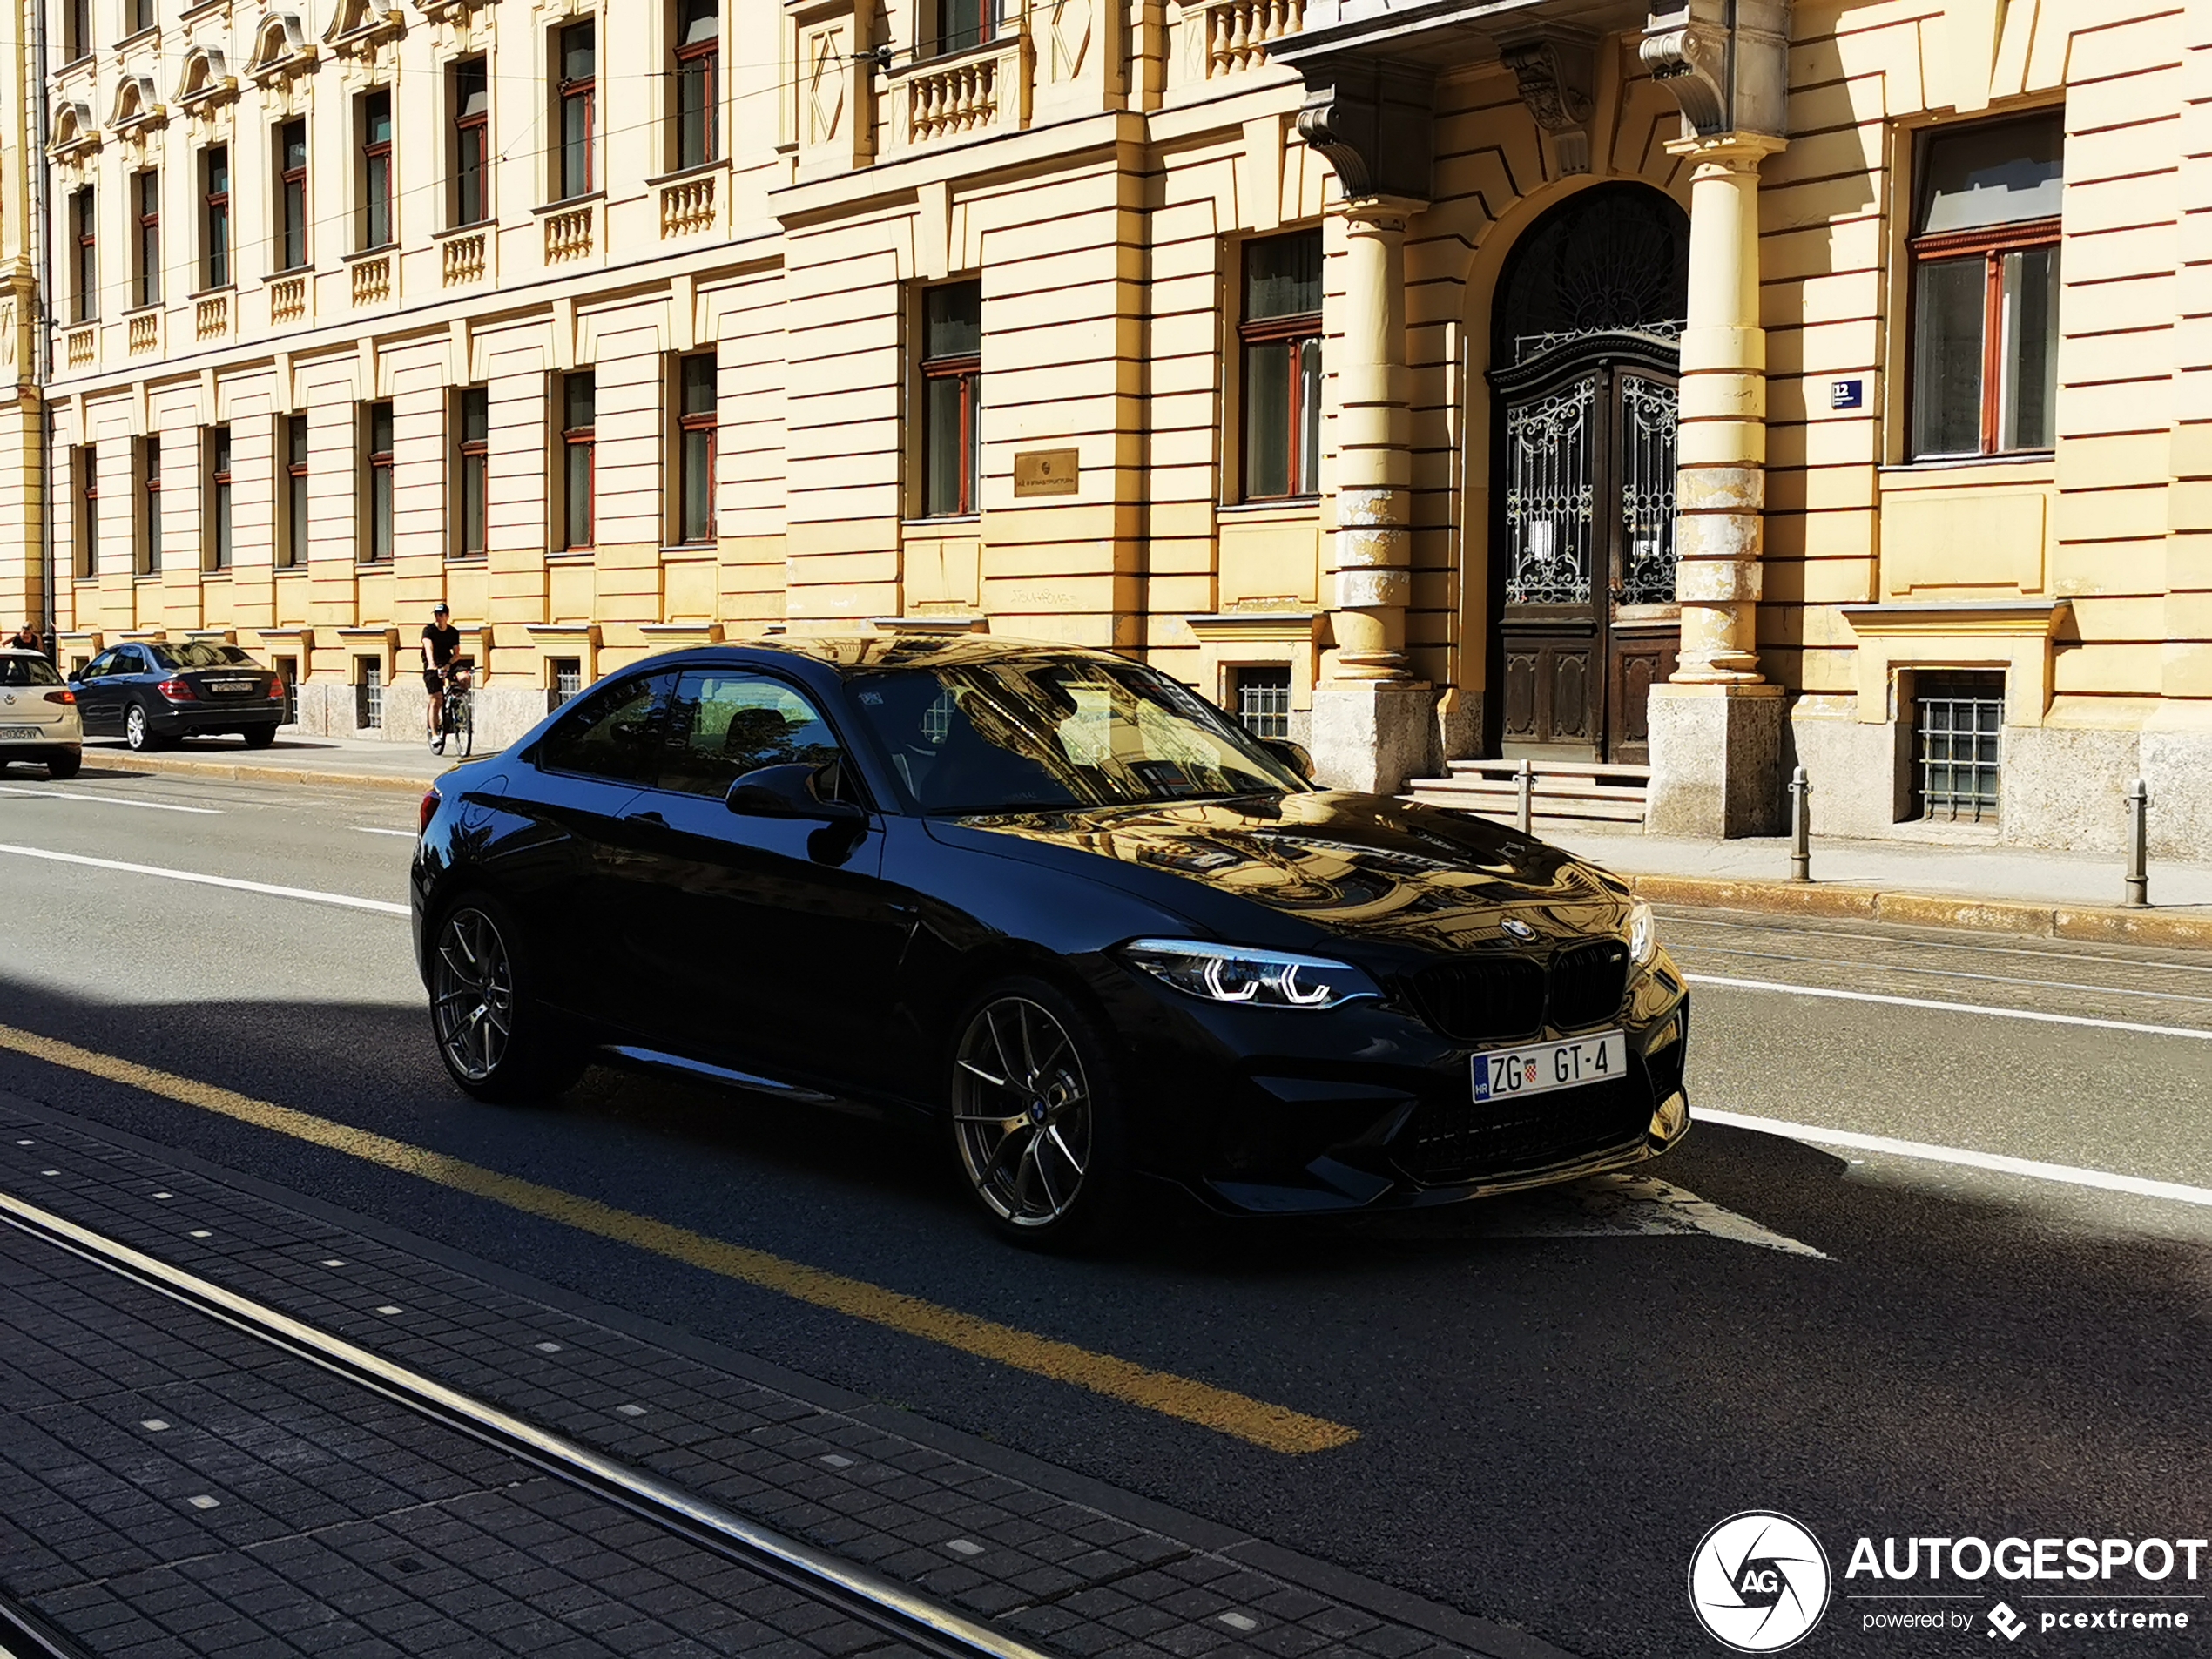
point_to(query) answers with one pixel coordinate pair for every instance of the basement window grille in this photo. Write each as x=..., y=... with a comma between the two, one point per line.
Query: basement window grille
x=369, y=695
x=567, y=678
x=1264, y=700
x=1958, y=737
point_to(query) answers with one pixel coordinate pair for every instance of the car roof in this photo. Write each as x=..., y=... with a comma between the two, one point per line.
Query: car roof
x=848, y=655
x=22, y=650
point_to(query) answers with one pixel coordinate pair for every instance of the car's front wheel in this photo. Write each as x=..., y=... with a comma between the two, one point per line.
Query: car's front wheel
x=498, y=1041
x=1035, y=1118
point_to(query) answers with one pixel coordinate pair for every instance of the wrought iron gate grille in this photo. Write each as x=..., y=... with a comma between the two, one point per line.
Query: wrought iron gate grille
x=1649, y=412
x=1959, y=737
x=1549, y=496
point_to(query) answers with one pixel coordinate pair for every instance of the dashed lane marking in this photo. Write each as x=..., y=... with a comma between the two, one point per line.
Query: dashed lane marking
x=347, y=900
x=370, y=829
x=1998, y=1162
x=1276, y=1429
x=2201, y=1033
x=111, y=800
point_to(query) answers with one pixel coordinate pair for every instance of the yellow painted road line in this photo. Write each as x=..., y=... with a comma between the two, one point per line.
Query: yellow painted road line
x=1276, y=1428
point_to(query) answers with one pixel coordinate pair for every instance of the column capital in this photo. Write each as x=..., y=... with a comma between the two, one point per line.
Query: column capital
x=1383, y=213
x=1736, y=151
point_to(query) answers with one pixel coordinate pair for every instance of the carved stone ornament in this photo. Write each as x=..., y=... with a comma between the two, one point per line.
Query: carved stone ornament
x=1552, y=75
x=1372, y=123
x=281, y=49
x=136, y=106
x=1726, y=62
x=76, y=136
x=205, y=80
x=1689, y=58
x=359, y=27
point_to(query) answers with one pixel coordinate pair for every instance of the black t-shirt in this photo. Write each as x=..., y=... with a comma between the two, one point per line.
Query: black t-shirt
x=444, y=643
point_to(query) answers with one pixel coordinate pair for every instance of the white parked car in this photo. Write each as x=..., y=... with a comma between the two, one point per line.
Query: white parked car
x=38, y=720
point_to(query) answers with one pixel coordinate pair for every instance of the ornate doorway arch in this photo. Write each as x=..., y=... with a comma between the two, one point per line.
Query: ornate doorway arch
x=1586, y=355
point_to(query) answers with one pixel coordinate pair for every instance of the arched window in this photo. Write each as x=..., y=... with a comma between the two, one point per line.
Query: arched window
x=1611, y=260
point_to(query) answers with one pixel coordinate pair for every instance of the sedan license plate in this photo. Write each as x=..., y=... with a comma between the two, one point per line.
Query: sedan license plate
x=1504, y=1072
x=20, y=734
x=232, y=688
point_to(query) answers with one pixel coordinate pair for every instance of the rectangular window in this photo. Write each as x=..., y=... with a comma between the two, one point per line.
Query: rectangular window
x=83, y=227
x=85, y=552
x=215, y=536
x=376, y=171
x=471, y=142
x=146, y=194
x=368, y=693
x=292, y=491
x=962, y=23
x=577, y=47
x=148, y=560
x=291, y=196
x=579, y=444
x=472, y=470
x=952, y=398
x=696, y=420
x=1984, y=253
x=79, y=30
x=215, y=228
x=1958, y=734
x=1263, y=696
x=376, y=463
x=1281, y=336
x=136, y=15
x=698, y=74
x=567, y=675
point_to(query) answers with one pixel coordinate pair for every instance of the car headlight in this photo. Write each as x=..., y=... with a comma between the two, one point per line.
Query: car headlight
x=1643, y=933
x=1269, y=978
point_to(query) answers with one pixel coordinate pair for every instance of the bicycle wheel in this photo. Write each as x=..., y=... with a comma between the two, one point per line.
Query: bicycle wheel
x=464, y=726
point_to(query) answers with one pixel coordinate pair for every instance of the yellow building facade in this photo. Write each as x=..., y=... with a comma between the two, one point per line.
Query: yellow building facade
x=1670, y=399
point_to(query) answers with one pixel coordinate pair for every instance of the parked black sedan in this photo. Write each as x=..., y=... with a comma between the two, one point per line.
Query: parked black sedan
x=151, y=693
x=1056, y=903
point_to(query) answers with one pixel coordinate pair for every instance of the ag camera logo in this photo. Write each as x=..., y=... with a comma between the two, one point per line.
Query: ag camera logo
x=1758, y=1582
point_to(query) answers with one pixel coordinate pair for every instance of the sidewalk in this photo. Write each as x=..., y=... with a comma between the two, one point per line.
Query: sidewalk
x=360, y=763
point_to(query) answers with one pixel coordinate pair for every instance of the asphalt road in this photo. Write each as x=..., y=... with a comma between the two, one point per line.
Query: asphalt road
x=1554, y=1398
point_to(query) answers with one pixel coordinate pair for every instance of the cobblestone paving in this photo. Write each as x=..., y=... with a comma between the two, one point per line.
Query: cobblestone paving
x=1062, y=1574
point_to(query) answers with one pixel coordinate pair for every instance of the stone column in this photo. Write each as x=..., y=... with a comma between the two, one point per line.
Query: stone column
x=1716, y=725
x=1373, y=721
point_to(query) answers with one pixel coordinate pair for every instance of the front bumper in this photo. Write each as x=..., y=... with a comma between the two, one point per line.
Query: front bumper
x=1278, y=1112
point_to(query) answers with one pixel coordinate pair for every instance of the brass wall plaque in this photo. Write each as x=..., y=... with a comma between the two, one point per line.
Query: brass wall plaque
x=1047, y=472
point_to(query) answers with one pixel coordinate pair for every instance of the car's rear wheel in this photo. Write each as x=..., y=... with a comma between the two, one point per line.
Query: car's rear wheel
x=258, y=737
x=137, y=729
x=1035, y=1118
x=60, y=766
x=498, y=1041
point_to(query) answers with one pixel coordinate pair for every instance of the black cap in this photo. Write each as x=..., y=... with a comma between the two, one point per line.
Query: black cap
x=439, y=609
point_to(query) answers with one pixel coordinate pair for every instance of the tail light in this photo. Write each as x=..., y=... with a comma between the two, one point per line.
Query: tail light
x=429, y=810
x=178, y=691
x=61, y=696
x=276, y=687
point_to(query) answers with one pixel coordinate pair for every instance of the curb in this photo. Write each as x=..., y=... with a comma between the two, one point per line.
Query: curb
x=2091, y=923
x=247, y=772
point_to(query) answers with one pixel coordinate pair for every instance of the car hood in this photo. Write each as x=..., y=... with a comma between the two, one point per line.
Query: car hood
x=1356, y=867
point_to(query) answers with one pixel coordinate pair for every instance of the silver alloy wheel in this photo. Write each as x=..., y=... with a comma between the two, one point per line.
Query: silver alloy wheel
x=1021, y=1112
x=472, y=993
x=135, y=732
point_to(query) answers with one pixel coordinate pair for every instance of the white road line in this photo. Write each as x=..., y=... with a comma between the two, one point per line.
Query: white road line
x=2201, y=1034
x=366, y=829
x=112, y=800
x=1997, y=1161
x=313, y=895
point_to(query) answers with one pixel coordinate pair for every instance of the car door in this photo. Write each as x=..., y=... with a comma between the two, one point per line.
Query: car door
x=97, y=696
x=773, y=939
x=568, y=874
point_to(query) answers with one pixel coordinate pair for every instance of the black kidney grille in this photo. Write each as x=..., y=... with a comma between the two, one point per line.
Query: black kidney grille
x=1587, y=983
x=1485, y=1140
x=1481, y=999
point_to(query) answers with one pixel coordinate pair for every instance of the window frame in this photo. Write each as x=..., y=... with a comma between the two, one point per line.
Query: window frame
x=85, y=263
x=145, y=185
x=967, y=368
x=145, y=555
x=215, y=214
x=378, y=543
x=291, y=202
x=1992, y=243
x=84, y=560
x=579, y=91
x=78, y=19
x=688, y=425
x=218, y=539
x=376, y=159
x=576, y=442
x=471, y=455
x=470, y=133
x=706, y=54
x=1289, y=333
x=292, y=470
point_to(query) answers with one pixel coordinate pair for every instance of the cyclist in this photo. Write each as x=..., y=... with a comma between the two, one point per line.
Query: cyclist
x=441, y=645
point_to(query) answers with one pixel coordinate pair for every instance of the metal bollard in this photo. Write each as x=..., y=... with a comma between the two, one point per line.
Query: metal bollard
x=1525, y=782
x=1800, y=827
x=2138, y=845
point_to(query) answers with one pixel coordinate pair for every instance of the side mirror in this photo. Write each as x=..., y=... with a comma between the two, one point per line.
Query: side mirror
x=790, y=792
x=1292, y=755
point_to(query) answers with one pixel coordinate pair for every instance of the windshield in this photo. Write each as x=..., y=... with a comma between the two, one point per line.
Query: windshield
x=28, y=670
x=1034, y=733
x=199, y=654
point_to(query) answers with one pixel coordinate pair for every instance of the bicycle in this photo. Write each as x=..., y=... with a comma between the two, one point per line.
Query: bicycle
x=456, y=709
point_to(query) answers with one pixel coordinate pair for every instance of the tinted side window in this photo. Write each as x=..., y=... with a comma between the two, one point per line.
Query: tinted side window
x=723, y=723
x=94, y=669
x=136, y=661
x=610, y=732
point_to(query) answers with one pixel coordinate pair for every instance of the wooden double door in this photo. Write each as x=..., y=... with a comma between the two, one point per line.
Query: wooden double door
x=1582, y=562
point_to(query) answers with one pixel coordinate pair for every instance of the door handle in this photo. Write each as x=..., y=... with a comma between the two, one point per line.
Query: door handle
x=651, y=821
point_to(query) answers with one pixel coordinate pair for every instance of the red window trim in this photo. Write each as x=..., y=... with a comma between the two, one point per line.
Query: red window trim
x=710, y=51
x=1991, y=244
x=286, y=177
x=372, y=152
x=968, y=370
x=1290, y=333
x=585, y=438
x=710, y=423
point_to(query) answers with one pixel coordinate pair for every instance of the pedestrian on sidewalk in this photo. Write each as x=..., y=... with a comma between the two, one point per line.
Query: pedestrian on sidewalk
x=29, y=638
x=441, y=645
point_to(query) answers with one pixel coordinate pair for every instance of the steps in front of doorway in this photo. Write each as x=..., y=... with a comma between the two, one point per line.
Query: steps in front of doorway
x=1576, y=791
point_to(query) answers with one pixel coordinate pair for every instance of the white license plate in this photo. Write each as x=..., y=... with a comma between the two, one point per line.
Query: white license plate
x=1505, y=1072
x=20, y=734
